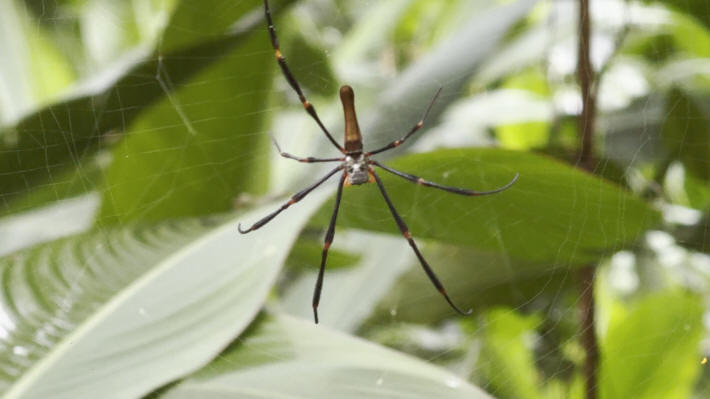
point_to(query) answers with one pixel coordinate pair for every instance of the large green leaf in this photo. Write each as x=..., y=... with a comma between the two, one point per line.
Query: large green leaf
x=117, y=313
x=288, y=358
x=507, y=358
x=41, y=147
x=653, y=351
x=697, y=9
x=554, y=213
x=32, y=69
x=474, y=280
x=192, y=153
x=686, y=133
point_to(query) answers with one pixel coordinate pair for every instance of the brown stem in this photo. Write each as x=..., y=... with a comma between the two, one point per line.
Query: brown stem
x=585, y=74
x=588, y=334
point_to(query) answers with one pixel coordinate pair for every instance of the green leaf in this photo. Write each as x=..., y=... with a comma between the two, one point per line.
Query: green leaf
x=507, y=359
x=32, y=69
x=473, y=279
x=52, y=140
x=686, y=133
x=192, y=153
x=125, y=311
x=446, y=67
x=689, y=35
x=308, y=249
x=696, y=9
x=209, y=21
x=532, y=133
x=553, y=213
x=288, y=358
x=652, y=352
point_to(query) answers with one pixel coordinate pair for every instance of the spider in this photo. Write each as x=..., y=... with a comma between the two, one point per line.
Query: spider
x=356, y=166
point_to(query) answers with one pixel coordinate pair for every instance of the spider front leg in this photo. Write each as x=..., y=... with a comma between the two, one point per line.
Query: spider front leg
x=326, y=245
x=455, y=190
x=296, y=197
x=405, y=232
x=416, y=127
x=310, y=109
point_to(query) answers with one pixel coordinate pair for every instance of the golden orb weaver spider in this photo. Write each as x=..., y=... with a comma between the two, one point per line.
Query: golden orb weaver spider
x=357, y=168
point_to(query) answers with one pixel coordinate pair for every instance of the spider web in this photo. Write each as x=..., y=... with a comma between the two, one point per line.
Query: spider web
x=218, y=110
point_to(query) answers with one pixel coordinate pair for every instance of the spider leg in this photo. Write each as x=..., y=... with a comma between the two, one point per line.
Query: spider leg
x=326, y=245
x=292, y=80
x=405, y=232
x=416, y=127
x=295, y=198
x=455, y=190
x=305, y=160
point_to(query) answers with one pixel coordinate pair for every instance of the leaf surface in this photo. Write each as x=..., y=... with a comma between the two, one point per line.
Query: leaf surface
x=289, y=358
x=83, y=317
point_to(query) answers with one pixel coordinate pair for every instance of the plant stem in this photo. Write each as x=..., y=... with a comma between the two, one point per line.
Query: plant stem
x=585, y=75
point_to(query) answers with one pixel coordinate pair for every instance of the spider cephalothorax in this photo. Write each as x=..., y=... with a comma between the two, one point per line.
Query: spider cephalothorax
x=357, y=168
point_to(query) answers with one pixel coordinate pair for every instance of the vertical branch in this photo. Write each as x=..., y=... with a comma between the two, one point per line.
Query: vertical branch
x=585, y=75
x=588, y=335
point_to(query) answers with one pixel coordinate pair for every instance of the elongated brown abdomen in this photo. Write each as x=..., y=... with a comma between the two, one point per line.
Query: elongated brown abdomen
x=353, y=138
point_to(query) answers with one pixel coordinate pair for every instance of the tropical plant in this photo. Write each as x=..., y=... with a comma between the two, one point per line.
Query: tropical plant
x=134, y=136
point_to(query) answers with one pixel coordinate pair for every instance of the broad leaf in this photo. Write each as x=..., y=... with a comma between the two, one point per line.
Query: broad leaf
x=192, y=153
x=686, y=133
x=554, y=213
x=473, y=279
x=117, y=313
x=46, y=144
x=507, y=358
x=285, y=357
x=652, y=352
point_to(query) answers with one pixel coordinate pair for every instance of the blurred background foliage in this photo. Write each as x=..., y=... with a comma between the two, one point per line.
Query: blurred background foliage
x=134, y=135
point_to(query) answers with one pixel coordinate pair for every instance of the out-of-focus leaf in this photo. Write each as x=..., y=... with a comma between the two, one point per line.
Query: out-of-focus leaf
x=68, y=217
x=117, y=313
x=686, y=133
x=634, y=135
x=554, y=213
x=653, y=351
x=286, y=357
x=447, y=67
x=192, y=152
x=83, y=178
x=530, y=134
x=306, y=57
x=350, y=295
x=32, y=69
x=208, y=21
x=46, y=144
x=473, y=279
x=306, y=254
x=689, y=35
x=697, y=9
x=507, y=360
